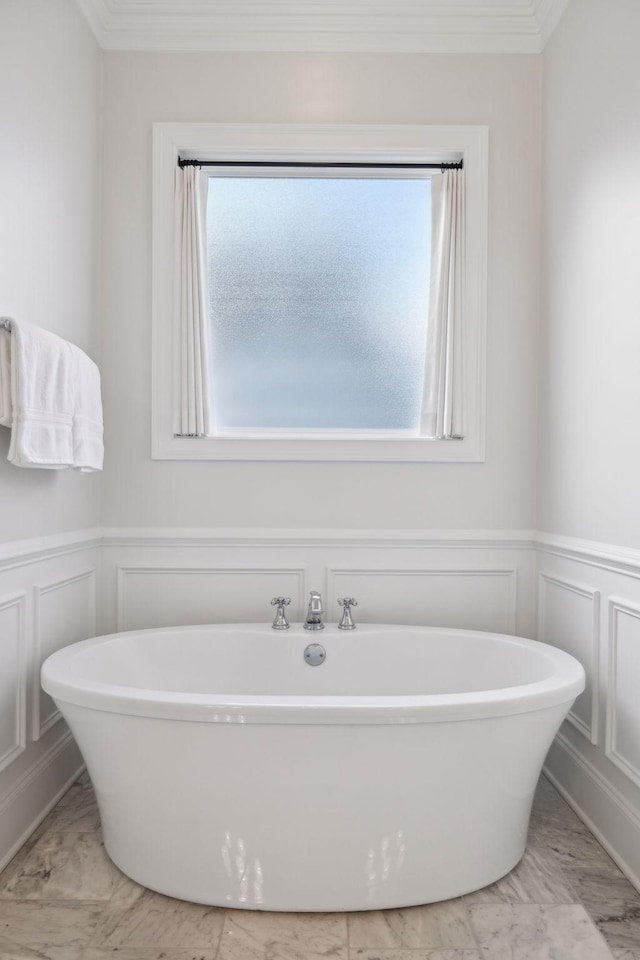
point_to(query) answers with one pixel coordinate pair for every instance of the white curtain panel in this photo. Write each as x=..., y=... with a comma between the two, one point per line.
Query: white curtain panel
x=195, y=414
x=442, y=400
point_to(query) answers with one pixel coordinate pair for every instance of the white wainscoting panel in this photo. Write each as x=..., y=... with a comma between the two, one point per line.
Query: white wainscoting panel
x=65, y=612
x=595, y=760
x=473, y=598
x=13, y=679
x=569, y=618
x=623, y=706
x=48, y=596
x=163, y=596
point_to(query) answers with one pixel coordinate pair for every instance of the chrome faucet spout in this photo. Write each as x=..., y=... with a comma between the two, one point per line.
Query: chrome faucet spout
x=314, y=613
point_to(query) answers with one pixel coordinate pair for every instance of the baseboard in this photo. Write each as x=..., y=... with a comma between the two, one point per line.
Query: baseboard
x=613, y=822
x=35, y=795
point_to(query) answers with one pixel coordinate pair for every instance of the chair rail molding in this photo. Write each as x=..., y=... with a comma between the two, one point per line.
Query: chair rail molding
x=317, y=537
x=605, y=556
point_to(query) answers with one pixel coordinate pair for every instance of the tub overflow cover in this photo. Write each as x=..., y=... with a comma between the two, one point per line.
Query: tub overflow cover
x=315, y=654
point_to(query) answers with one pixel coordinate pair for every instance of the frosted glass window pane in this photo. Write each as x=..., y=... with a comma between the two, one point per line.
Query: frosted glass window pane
x=318, y=293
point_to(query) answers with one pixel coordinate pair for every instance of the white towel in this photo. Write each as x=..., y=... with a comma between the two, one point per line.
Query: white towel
x=88, y=448
x=42, y=398
x=50, y=397
x=6, y=416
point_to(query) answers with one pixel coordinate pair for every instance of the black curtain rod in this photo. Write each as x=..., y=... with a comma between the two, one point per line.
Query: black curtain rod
x=339, y=166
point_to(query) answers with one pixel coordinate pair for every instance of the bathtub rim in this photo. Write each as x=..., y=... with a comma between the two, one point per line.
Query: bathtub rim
x=562, y=687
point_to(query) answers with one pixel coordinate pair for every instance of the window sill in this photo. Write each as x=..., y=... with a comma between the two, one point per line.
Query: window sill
x=401, y=449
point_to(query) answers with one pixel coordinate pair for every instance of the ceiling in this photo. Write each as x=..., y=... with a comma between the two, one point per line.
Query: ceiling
x=432, y=26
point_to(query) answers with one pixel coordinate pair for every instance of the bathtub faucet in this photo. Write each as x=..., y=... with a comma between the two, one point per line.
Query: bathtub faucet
x=346, y=620
x=314, y=613
x=280, y=621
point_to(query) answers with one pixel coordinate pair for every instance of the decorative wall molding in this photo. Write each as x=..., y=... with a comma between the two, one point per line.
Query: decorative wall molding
x=72, y=625
x=502, y=615
x=424, y=26
x=128, y=573
x=13, y=648
x=19, y=553
x=619, y=608
x=592, y=642
x=366, y=538
x=164, y=577
x=605, y=556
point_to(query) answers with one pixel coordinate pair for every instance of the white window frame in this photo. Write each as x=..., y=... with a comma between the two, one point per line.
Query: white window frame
x=323, y=144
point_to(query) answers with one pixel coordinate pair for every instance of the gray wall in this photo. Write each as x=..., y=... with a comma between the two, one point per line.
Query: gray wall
x=502, y=92
x=49, y=197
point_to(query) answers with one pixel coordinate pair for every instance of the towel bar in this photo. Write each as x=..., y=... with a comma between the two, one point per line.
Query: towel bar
x=5, y=322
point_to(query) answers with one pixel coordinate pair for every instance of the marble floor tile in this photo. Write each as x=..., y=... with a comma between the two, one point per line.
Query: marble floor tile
x=144, y=953
x=536, y=932
x=48, y=925
x=538, y=878
x=546, y=796
x=434, y=925
x=594, y=885
x=250, y=935
x=548, y=803
x=42, y=953
x=137, y=917
x=62, y=899
x=62, y=866
x=619, y=922
x=77, y=811
x=437, y=954
x=574, y=846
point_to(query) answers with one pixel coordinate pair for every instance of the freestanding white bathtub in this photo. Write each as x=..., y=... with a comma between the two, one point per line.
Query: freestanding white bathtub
x=230, y=772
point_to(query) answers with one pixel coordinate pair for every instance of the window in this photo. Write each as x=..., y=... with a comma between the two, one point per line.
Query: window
x=317, y=290
x=318, y=300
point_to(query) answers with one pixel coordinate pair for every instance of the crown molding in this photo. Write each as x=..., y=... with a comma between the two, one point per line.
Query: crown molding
x=548, y=14
x=361, y=26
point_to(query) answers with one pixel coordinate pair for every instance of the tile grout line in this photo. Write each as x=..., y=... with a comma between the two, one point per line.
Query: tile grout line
x=221, y=934
x=467, y=911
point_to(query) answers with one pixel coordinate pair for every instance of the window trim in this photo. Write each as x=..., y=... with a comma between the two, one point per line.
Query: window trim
x=321, y=143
